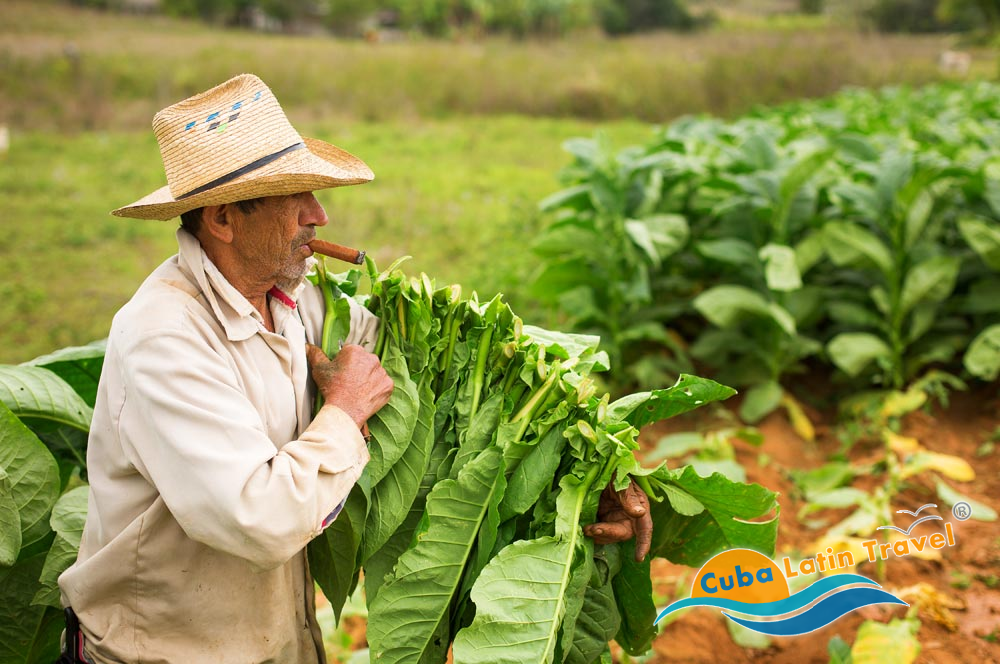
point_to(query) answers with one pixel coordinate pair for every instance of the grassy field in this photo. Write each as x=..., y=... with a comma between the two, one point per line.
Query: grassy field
x=458, y=196
x=66, y=69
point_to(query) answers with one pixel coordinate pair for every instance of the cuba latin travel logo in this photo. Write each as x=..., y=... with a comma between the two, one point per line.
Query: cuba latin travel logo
x=746, y=582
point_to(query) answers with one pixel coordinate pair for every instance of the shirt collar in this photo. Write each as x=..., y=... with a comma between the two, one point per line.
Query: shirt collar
x=238, y=317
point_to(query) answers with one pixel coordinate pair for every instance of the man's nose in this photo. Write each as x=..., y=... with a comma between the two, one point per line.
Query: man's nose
x=312, y=213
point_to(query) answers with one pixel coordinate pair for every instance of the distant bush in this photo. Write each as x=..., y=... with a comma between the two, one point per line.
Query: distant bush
x=930, y=15
x=811, y=6
x=624, y=16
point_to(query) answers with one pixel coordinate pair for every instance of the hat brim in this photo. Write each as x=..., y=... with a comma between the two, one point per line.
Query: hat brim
x=320, y=166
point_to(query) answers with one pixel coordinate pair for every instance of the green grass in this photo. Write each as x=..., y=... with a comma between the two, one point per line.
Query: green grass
x=458, y=196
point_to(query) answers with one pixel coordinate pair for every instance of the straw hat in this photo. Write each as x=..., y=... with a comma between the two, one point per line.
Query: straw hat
x=233, y=143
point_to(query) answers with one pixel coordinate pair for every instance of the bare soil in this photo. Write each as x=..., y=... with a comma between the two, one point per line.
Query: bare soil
x=967, y=574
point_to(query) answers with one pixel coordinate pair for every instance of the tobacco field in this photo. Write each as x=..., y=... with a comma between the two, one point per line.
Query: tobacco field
x=783, y=325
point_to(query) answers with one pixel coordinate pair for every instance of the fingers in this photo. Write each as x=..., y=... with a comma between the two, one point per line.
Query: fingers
x=609, y=532
x=643, y=535
x=634, y=501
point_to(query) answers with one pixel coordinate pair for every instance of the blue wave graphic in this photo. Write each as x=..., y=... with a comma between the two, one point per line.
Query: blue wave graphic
x=822, y=614
x=770, y=609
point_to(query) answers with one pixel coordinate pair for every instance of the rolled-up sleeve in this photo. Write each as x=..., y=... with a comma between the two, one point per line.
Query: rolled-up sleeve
x=191, y=431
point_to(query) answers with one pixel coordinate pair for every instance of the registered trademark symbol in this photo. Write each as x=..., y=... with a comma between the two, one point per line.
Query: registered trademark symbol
x=961, y=511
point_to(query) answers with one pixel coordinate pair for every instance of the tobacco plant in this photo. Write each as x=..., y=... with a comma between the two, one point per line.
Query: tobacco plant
x=45, y=412
x=858, y=231
x=486, y=463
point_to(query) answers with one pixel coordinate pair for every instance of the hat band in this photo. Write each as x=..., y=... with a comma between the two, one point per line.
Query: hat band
x=252, y=166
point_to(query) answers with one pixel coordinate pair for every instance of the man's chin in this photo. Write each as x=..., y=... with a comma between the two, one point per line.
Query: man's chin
x=292, y=278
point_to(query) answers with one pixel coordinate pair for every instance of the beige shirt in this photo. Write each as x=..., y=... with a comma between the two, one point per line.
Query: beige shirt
x=208, y=475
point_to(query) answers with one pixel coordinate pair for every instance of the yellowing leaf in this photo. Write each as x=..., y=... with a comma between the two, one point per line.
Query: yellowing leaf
x=800, y=422
x=901, y=444
x=898, y=403
x=932, y=604
x=950, y=466
x=878, y=643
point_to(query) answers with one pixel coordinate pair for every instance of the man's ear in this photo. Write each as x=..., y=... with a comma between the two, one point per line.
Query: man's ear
x=216, y=221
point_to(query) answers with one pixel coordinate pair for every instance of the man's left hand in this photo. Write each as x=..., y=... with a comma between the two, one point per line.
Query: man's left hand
x=622, y=515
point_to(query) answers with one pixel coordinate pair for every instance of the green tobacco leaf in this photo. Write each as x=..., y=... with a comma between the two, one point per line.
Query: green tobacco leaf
x=563, y=345
x=729, y=506
x=983, y=357
x=669, y=232
x=382, y=562
x=33, y=476
x=877, y=642
x=950, y=497
x=726, y=305
x=596, y=625
x=780, y=268
x=392, y=426
x=333, y=555
x=639, y=234
x=527, y=590
x=809, y=251
x=520, y=599
x=857, y=146
x=391, y=498
x=533, y=474
x=675, y=445
x=566, y=239
x=80, y=366
x=69, y=514
x=929, y=281
x=839, y=651
x=846, y=241
x=577, y=197
x=854, y=314
x=984, y=238
x=895, y=170
x=730, y=251
x=759, y=153
x=634, y=596
x=659, y=236
x=917, y=216
x=34, y=393
x=407, y=621
x=760, y=401
x=28, y=633
x=853, y=351
x=10, y=522
x=69, y=446
x=559, y=277
x=688, y=393
x=68, y=517
x=480, y=434
x=792, y=183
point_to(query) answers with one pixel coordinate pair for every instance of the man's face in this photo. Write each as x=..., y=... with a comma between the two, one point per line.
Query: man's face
x=271, y=239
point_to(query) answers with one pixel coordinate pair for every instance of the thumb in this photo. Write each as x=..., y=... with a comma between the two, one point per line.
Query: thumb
x=315, y=355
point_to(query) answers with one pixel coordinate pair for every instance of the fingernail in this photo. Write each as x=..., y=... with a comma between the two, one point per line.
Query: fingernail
x=598, y=531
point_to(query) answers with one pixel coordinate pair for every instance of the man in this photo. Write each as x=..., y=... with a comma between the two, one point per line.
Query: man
x=209, y=473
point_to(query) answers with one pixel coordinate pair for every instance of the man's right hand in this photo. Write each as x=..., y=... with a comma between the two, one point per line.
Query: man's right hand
x=353, y=381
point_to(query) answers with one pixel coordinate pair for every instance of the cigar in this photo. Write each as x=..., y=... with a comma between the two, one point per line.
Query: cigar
x=338, y=251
